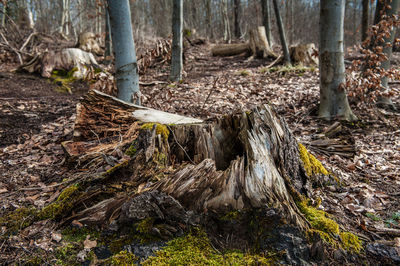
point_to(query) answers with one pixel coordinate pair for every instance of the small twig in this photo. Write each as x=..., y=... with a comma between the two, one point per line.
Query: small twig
x=211, y=90
x=180, y=146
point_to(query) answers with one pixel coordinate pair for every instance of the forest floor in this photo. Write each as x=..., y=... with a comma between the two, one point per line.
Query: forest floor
x=35, y=119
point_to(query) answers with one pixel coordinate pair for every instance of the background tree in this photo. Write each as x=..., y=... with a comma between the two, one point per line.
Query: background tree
x=266, y=20
x=176, y=59
x=225, y=19
x=281, y=33
x=333, y=98
x=126, y=70
x=236, y=10
x=365, y=19
x=383, y=14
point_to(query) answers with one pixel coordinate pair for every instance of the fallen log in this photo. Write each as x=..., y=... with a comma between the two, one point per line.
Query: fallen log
x=257, y=46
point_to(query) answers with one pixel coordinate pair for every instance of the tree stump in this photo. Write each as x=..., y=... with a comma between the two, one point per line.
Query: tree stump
x=305, y=54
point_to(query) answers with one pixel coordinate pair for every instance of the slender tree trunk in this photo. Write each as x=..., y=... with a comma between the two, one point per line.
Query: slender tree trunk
x=3, y=17
x=333, y=98
x=107, y=39
x=208, y=19
x=236, y=9
x=364, y=20
x=266, y=20
x=282, y=33
x=126, y=75
x=225, y=19
x=387, y=43
x=176, y=58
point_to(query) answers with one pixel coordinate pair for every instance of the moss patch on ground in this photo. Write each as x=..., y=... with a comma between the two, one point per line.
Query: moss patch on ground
x=64, y=78
x=196, y=249
x=328, y=229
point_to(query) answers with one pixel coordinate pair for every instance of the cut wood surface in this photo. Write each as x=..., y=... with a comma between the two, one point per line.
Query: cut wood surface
x=305, y=54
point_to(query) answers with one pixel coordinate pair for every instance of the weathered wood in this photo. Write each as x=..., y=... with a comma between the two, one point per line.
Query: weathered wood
x=305, y=54
x=230, y=49
x=259, y=44
x=238, y=162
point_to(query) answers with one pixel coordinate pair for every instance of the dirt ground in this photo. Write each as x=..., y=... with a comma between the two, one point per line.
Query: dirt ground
x=35, y=119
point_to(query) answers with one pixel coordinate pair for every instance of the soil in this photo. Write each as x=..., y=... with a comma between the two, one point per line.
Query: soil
x=35, y=119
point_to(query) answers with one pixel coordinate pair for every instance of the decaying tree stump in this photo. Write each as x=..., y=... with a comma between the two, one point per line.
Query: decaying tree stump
x=305, y=54
x=257, y=46
x=88, y=43
x=237, y=162
x=67, y=59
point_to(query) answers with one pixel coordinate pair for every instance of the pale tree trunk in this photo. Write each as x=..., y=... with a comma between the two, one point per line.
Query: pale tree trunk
x=225, y=19
x=282, y=36
x=236, y=9
x=266, y=19
x=126, y=74
x=65, y=19
x=364, y=20
x=333, y=98
x=387, y=44
x=177, y=43
x=80, y=22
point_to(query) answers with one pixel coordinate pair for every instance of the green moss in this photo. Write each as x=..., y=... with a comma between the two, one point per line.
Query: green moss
x=160, y=129
x=64, y=78
x=350, y=242
x=318, y=219
x=74, y=234
x=116, y=167
x=145, y=225
x=282, y=70
x=67, y=254
x=123, y=258
x=63, y=203
x=232, y=215
x=310, y=163
x=244, y=73
x=328, y=229
x=373, y=216
x=131, y=151
x=195, y=249
x=18, y=219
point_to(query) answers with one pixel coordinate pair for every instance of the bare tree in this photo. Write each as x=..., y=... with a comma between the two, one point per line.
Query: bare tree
x=364, y=19
x=333, y=98
x=282, y=33
x=266, y=20
x=225, y=19
x=176, y=58
x=236, y=9
x=126, y=75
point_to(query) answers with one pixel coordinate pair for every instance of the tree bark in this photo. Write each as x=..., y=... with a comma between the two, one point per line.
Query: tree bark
x=364, y=20
x=177, y=42
x=225, y=20
x=126, y=75
x=236, y=10
x=259, y=44
x=333, y=98
x=230, y=49
x=107, y=40
x=387, y=43
x=282, y=36
x=266, y=19
x=240, y=161
x=3, y=17
x=208, y=19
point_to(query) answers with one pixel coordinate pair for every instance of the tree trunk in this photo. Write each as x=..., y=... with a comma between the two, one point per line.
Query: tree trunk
x=177, y=23
x=210, y=31
x=333, y=98
x=3, y=17
x=126, y=75
x=364, y=20
x=225, y=20
x=259, y=44
x=282, y=36
x=107, y=40
x=236, y=9
x=387, y=43
x=230, y=49
x=266, y=19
